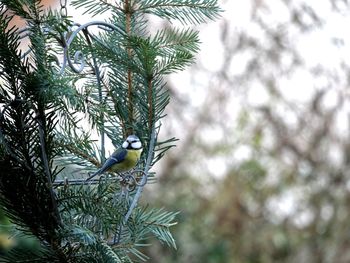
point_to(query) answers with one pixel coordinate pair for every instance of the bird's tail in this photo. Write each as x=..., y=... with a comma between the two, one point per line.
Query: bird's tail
x=93, y=175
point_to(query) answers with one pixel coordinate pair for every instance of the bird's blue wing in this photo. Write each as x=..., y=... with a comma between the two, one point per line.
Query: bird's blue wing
x=117, y=157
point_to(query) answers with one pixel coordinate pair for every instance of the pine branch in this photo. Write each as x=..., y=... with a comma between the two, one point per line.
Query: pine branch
x=122, y=91
x=186, y=11
x=160, y=223
x=128, y=16
x=93, y=8
x=169, y=40
x=26, y=128
x=78, y=152
x=116, y=107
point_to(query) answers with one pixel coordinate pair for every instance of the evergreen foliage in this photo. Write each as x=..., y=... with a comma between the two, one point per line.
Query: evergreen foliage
x=49, y=120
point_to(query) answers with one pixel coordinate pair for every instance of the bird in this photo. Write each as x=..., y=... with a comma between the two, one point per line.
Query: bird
x=123, y=159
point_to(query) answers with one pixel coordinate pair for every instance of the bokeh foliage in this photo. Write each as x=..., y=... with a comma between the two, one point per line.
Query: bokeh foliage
x=261, y=171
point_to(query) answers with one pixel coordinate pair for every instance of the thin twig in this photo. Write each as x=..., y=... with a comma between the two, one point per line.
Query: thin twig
x=150, y=103
x=129, y=74
x=40, y=118
x=116, y=239
x=80, y=153
x=82, y=181
x=115, y=102
x=116, y=7
x=170, y=5
x=99, y=85
x=144, y=176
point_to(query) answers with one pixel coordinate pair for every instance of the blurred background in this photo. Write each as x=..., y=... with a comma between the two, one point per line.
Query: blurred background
x=261, y=170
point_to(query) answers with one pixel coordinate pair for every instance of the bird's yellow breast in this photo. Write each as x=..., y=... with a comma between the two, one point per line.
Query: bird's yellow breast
x=130, y=161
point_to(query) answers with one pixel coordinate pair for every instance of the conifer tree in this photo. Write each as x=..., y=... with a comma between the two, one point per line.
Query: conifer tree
x=63, y=99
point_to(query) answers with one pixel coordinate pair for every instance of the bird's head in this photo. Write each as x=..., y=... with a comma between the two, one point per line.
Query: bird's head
x=132, y=143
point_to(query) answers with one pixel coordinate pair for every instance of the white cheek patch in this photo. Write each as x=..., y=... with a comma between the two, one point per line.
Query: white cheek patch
x=125, y=144
x=136, y=145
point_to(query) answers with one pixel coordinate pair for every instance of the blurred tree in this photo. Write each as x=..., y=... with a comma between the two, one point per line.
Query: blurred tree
x=261, y=170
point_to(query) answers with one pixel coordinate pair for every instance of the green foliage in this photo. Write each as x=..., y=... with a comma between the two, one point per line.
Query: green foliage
x=185, y=11
x=159, y=223
x=27, y=126
x=51, y=121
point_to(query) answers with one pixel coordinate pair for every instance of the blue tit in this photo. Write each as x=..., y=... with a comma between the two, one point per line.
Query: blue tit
x=124, y=158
